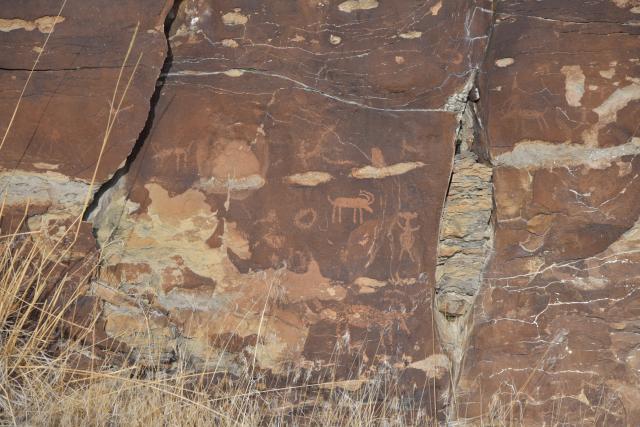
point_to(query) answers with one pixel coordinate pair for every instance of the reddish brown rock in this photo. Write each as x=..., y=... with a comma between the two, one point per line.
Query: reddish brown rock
x=52, y=148
x=551, y=336
x=288, y=197
x=313, y=187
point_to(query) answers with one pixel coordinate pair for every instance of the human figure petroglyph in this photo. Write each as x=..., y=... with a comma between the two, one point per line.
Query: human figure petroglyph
x=359, y=204
x=407, y=237
x=406, y=148
x=272, y=236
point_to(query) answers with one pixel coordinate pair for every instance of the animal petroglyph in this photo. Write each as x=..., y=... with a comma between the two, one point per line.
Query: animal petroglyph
x=407, y=237
x=359, y=204
x=180, y=155
x=305, y=218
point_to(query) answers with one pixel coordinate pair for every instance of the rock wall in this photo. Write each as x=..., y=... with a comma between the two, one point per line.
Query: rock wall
x=49, y=154
x=284, y=209
x=446, y=189
x=555, y=332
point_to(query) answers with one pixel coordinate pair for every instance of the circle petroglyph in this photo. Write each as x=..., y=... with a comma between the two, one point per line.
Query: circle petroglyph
x=305, y=218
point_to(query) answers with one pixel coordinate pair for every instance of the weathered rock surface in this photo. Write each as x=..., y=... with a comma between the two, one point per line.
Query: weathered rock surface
x=285, y=208
x=554, y=332
x=446, y=188
x=52, y=148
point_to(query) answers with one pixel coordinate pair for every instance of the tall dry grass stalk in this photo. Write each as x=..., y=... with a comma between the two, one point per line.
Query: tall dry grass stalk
x=53, y=372
x=41, y=382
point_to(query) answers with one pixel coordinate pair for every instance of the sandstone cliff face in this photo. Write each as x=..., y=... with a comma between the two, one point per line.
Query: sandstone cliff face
x=556, y=320
x=48, y=157
x=285, y=207
x=443, y=188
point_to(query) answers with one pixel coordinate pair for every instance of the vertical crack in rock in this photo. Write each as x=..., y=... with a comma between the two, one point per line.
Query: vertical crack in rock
x=108, y=208
x=466, y=232
x=195, y=258
x=112, y=182
x=465, y=239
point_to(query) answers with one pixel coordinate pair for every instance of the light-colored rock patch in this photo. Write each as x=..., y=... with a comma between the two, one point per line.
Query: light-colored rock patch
x=411, y=35
x=353, y=5
x=222, y=186
x=542, y=154
x=230, y=43
x=234, y=72
x=608, y=74
x=372, y=172
x=608, y=111
x=44, y=24
x=504, y=62
x=435, y=9
x=309, y=179
x=434, y=366
x=234, y=18
x=573, y=84
x=52, y=189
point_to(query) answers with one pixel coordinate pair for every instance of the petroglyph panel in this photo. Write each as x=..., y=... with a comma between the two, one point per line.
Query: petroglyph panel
x=318, y=164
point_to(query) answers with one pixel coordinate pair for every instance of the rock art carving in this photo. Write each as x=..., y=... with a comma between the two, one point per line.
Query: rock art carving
x=359, y=204
x=305, y=218
x=407, y=236
x=272, y=237
x=377, y=158
x=180, y=154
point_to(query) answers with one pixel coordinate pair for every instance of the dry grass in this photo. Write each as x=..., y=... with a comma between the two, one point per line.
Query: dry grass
x=41, y=382
x=53, y=372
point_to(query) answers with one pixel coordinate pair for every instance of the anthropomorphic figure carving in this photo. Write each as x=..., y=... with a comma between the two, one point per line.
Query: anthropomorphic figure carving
x=361, y=203
x=407, y=237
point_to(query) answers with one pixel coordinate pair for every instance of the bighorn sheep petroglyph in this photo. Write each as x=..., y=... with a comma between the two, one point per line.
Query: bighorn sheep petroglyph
x=360, y=203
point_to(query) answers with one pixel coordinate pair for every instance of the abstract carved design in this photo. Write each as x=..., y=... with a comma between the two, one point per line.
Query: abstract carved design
x=305, y=218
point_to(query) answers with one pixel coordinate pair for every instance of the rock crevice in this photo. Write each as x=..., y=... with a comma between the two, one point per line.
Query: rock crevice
x=466, y=236
x=120, y=172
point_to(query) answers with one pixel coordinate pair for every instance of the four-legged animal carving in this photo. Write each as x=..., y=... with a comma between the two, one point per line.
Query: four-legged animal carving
x=180, y=154
x=361, y=203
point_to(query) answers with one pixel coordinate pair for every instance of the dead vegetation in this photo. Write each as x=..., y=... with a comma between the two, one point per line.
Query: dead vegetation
x=54, y=371
x=50, y=372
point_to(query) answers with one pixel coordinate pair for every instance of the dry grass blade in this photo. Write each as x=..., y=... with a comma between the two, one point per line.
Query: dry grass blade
x=33, y=68
x=113, y=115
